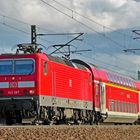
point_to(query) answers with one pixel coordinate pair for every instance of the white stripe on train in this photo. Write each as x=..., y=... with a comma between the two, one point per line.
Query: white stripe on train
x=21, y=84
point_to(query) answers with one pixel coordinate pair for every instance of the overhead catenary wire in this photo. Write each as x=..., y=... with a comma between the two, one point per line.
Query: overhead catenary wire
x=108, y=64
x=14, y=19
x=106, y=52
x=5, y=17
x=15, y=28
x=104, y=62
x=86, y=17
x=83, y=24
x=5, y=23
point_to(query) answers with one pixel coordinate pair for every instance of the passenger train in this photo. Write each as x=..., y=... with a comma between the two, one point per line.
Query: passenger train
x=42, y=89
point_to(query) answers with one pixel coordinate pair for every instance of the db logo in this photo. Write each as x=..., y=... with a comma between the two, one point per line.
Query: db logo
x=13, y=84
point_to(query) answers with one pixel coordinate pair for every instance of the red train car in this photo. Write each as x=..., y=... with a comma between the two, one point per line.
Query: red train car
x=116, y=98
x=40, y=88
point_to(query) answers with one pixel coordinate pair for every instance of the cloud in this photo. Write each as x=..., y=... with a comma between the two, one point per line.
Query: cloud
x=114, y=13
x=136, y=0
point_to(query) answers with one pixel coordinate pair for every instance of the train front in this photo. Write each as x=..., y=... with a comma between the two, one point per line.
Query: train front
x=18, y=100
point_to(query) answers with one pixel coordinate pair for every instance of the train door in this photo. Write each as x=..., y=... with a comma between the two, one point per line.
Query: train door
x=97, y=95
x=102, y=98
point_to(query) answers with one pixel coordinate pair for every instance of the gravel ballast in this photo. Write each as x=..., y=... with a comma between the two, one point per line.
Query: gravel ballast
x=70, y=133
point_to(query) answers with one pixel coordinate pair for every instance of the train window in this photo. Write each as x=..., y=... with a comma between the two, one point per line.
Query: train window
x=118, y=80
x=123, y=107
x=115, y=106
x=6, y=67
x=24, y=66
x=114, y=78
x=132, y=85
x=112, y=106
x=109, y=105
x=125, y=82
x=97, y=89
x=129, y=84
x=135, y=108
x=118, y=106
x=45, y=67
x=126, y=106
x=121, y=80
x=129, y=107
x=109, y=77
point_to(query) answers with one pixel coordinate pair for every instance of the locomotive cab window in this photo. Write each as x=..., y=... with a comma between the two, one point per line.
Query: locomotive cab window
x=24, y=66
x=45, y=67
x=6, y=67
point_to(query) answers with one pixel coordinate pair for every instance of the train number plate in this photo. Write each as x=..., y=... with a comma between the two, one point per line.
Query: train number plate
x=13, y=84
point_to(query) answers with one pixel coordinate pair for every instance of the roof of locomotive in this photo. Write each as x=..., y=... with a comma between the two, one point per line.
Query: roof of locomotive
x=66, y=62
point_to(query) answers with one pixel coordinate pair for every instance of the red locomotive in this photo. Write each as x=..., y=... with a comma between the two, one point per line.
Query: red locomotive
x=39, y=88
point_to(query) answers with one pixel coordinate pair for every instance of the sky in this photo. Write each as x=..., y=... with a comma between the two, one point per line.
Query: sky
x=107, y=26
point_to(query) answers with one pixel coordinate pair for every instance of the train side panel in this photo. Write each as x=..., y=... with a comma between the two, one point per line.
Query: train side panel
x=116, y=97
x=121, y=104
x=64, y=86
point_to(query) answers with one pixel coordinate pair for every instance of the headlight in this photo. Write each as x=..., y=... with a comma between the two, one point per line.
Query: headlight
x=31, y=92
